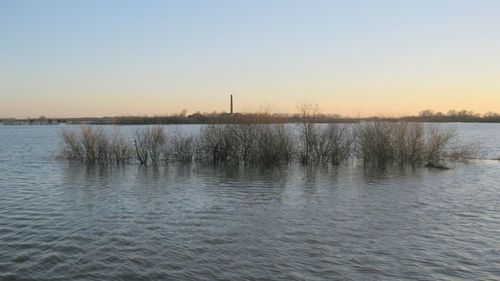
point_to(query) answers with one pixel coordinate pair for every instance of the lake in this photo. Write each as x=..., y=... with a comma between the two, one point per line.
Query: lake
x=67, y=221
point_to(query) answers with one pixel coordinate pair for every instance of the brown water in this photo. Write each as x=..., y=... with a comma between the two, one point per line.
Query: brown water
x=62, y=221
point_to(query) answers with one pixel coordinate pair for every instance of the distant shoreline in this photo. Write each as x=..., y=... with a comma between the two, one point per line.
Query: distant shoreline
x=256, y=118
x=153, y=121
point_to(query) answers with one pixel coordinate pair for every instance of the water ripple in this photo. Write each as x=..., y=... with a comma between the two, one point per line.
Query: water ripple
x=60, y=221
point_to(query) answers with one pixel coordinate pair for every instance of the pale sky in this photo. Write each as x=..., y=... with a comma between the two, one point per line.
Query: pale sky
x=106, y=58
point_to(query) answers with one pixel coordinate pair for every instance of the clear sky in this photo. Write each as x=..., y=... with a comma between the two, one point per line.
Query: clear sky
x=104, y=57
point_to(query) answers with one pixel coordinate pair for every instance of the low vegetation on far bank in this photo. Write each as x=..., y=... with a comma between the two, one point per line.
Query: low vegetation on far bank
x=261, y=117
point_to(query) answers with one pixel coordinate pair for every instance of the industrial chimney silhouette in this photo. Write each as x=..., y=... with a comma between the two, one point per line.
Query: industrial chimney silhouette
x=231, y=104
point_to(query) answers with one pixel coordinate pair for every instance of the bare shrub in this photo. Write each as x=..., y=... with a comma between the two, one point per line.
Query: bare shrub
x=327, y=144
x=274, y=145
x=72, y=148
x=440, y=148
x=94, y=143
x=319, y=144
x=408, y=143
x=462, y=152
x=338, y=141
x=218, y=144
x=149, y=145
x=308, y=133
x=182, y=148
x=375, y=142
x=120, y=150
x=246, y=138
x=437, y=141
x=249, y=143
x=314, y=147
x=93, y=146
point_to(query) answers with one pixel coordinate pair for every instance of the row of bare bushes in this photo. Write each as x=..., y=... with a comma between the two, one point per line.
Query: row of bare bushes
x=379, y=143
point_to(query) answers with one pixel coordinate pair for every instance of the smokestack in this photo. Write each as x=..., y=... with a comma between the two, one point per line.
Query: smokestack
x=231, y=104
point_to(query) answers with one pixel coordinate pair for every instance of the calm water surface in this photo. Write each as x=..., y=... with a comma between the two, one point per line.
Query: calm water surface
x=61, y=221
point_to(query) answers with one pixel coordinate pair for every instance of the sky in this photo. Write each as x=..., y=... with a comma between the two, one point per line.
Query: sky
x=355, y=58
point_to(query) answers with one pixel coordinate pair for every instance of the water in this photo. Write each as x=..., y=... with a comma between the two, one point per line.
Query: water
x=61, y=221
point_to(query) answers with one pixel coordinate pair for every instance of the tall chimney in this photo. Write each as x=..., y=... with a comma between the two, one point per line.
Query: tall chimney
x=231, y=104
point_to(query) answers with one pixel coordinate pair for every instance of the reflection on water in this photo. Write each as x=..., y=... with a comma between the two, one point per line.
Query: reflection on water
x=62, y=221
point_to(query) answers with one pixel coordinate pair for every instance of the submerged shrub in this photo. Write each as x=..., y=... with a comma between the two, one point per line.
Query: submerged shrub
x=150, y=145
x=246, y=138
x=462, y=152
x=247, y=143
x=218, y=144
x=309, y=135
x=92, y=145
x=320, y=144
x=308, y=139
x=72, y=149
x=436, y=144
x=375, y=142
x=95, y=145
x=274, y=145
x=338, y=141
x=120, y=150
x=439, y=147
x=408, y=143
x=182, y=148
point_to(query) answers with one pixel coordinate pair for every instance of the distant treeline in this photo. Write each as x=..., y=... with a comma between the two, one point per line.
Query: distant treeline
x=226, y=118
x=260, y=118
x=453, y=116
x=268, y=118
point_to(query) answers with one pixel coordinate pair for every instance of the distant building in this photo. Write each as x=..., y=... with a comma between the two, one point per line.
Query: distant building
x=231, y=105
